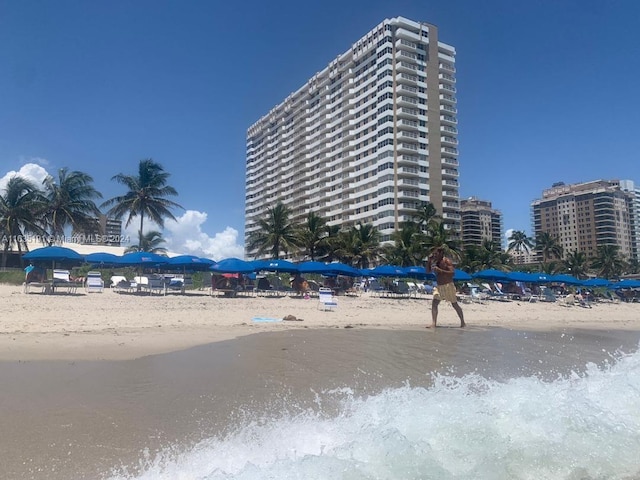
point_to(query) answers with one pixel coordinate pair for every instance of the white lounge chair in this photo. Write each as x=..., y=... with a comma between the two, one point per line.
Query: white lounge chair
x=94, y=282
x=155, y=285
x=326, y=300
x=62, y=279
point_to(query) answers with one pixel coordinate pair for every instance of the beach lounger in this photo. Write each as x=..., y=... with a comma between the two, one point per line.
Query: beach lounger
x=62, y=281
x=94, y=282
x=155, y=285
x=326, y=300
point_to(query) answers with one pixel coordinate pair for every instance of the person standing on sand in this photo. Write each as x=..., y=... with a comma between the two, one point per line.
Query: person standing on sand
x=445, y=290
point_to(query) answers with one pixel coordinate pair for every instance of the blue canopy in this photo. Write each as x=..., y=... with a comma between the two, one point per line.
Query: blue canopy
x=232, y=265
x=461, y=276
x=142, y=259
x=338, y=268
x=416, y=271
x=276, y=265
x=596, y=282
x=388, y=271
x=627, y=283
x=53, y=253
x=313, y=267
x=492, y=275
x=102, y=259
x=189, y=262
x=568, y=279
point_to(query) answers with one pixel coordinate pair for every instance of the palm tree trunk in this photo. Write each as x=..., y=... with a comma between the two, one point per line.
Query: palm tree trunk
x=140, y=234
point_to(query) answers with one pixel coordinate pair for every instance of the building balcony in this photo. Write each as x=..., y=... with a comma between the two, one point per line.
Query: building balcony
x=448, y=119
x=447, y=98
x=447, y=140
x=407, y=100
x=444, y=108
x=406, y=112
x=449, y=150
x=446, y=88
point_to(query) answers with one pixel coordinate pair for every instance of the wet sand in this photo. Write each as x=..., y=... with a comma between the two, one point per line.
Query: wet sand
x=78, y=419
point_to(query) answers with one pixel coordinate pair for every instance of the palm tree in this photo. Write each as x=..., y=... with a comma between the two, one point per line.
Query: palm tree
x=151, y=242
x=146, y=195
x=359, y=246
x=408, y=247
x=576, y=264
x=312, y=236
x=276, y=234
x=330, y=244
x=20, y=207
x=520, y=241
x=485, y=256
x=426, y=215
x=608, y=262
x=70, y=202
x=439, y=236
x=549, y=246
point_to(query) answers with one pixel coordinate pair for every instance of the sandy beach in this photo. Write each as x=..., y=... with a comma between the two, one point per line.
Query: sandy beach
x=101, y=386
x=113, y=326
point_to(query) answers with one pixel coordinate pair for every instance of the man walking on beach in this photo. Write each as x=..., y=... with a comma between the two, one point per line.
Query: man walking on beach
x=443, y=268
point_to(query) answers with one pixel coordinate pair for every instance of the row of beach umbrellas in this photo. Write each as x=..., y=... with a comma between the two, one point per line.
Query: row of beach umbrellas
x=236, y=265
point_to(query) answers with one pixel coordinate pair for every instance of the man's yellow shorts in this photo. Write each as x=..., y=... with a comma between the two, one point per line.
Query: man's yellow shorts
x=445, y=292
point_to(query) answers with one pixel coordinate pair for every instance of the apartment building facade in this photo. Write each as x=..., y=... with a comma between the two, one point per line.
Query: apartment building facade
x=585, y=216
x=107, y=231
x=366, y=140
x=480, y=222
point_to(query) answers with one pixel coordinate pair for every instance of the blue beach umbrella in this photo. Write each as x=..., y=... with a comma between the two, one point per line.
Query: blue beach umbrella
x=276, y=265
x=388, y=271
x=338, y=268
x=596, y=282
x=627, y=283
x=54, y=254
x=189, y=263
x=233, y=265
x=313, y=267
x=102, y=259
x=416, y=271
x=568, y=279
x=142, y=259
x=461, y=276
x=492, y=275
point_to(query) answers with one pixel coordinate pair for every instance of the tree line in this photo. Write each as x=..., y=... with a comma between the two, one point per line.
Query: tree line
x=46, y=211
x=69, y=201
x=359, y=246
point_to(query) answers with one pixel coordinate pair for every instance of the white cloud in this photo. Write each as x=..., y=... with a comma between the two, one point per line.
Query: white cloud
x=185, y=236
x=31, y=171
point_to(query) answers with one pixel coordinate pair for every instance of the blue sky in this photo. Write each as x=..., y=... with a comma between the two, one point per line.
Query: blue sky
x=547, y=90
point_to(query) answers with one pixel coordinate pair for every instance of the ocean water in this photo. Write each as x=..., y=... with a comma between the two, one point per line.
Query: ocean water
x=584, y=424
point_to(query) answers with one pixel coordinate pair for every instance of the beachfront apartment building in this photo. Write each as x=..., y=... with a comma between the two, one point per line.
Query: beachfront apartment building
x=585, y=216
x=368, y=139
x=633, y=189
x=480, y=222
x=107, y=231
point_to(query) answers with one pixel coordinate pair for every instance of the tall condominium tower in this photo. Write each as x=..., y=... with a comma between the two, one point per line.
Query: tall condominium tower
x=634, y=191
x=480, y=222
x=585, y=216
x=366, y=140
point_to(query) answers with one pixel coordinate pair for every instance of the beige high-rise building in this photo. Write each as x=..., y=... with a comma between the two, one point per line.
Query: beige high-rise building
x=480, y=222
x=584, y=216
x=366, y=140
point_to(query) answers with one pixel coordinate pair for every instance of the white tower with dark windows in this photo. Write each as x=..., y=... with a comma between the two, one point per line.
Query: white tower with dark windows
x=366, y=140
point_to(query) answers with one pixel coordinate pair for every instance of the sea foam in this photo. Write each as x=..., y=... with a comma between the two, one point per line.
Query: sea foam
x=580, y=426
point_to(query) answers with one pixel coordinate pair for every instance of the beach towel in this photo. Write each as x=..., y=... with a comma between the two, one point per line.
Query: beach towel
x=265, y=320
